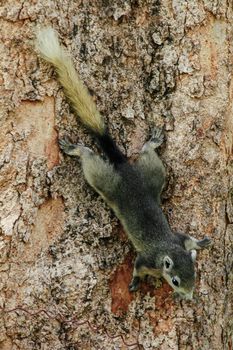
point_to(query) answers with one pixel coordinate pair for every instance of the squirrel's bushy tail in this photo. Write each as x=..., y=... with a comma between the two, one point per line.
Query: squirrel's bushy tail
x=48, y=45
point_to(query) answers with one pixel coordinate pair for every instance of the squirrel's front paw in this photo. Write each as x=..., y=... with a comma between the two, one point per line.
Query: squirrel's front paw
x=134, y=285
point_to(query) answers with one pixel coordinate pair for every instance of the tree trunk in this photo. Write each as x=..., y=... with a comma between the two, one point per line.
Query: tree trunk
x=65, y=260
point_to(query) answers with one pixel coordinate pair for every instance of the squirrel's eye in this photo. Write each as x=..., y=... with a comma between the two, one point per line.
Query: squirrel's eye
x=175, y=282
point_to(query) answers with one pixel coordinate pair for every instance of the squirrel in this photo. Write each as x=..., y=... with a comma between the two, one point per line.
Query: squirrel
x=131, y=190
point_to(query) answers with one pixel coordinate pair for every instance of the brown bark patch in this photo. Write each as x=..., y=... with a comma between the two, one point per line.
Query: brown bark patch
x=7, y=345
x=48, y=225
x=162, y=295
x=119, y=286
x=164, y=305
x=163, y=326
x=7, y=176
x=36, y=120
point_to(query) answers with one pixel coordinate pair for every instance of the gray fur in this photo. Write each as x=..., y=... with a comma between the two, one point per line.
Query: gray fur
x=133, y=192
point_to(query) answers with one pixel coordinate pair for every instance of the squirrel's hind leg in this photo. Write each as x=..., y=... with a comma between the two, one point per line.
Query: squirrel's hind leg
x=100, y=174
x=155, y=141
x=73, y=149
x=151, y=166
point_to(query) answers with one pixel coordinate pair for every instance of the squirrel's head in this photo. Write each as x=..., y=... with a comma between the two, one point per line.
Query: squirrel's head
x=178, y=270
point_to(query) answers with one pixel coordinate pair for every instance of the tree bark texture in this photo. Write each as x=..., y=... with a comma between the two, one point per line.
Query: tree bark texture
x=65, y=262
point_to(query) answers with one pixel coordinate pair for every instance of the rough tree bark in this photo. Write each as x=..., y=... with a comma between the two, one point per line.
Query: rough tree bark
x=65, y=262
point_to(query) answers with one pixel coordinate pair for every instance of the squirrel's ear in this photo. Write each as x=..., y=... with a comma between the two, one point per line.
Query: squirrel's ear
x=167, y=263
x=193, y=254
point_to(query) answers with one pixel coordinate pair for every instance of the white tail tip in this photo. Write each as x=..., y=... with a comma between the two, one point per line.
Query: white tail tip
x=47, y=44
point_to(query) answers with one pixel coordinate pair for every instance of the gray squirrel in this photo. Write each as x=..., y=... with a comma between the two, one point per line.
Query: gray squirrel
x=131, y=190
